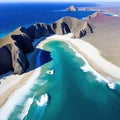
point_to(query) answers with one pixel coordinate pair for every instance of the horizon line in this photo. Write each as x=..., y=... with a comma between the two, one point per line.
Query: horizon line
x=57, y=2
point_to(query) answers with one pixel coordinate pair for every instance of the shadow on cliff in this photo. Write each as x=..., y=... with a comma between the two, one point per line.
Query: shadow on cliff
x=42, y=58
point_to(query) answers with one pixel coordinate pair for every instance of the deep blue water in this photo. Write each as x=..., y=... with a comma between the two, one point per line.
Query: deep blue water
x=13, y=15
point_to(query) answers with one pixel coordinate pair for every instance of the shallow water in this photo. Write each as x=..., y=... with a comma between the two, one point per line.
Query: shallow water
x=77, y=95
x=74, y=94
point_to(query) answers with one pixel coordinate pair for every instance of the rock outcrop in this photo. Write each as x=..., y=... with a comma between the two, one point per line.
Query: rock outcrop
x=72, y=8
x=5, y=60
x=12, y=58
x=62, y=26
x=39, y=30
x=14, y=48
x=19, y=61
x=23, y=30
x=23, y=41
x=69, y=24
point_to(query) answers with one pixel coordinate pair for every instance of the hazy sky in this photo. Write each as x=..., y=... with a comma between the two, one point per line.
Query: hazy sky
x=58, y=0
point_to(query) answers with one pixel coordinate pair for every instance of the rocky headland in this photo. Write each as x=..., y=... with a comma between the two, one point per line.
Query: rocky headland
x=18, y=43
x=69, y=24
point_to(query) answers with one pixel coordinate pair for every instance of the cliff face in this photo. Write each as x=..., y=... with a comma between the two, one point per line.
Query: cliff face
x=13, y=51
x=72, y=8
x=12, y=58
x=69, y=24
x=81, y=29
x=39, y=30
x=60, y=27
x=5, y=60
x=19, y=61
x=23, y=41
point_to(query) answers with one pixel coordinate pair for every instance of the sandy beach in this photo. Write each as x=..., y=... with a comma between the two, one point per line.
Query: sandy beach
x=12, y=82
x=90, y=53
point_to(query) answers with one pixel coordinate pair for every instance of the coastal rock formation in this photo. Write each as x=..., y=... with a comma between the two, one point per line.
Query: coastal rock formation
x=19, y=42
x=15, y=61
x=60, y=27
x=23, y=30
x=5, y=60
x=15, y=46
x=20, y=31
x=23, y=41
x=19, y=61
x=72, y=8
x=69, y=24
x=81, y=29
x=39, y=30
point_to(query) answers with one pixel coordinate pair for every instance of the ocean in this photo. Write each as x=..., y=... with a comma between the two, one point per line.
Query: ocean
x=13, y=15
x=75, y=90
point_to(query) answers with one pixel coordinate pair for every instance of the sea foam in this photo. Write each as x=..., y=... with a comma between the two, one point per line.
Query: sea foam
x=18, y=96
x=87, y=68
x=26, y=108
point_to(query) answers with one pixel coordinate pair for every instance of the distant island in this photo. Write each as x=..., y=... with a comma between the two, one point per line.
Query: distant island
x=72, y=8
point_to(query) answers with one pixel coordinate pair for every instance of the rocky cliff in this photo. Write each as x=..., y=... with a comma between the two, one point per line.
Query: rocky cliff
x=12, y=58
x=14, y=48
x=69, y=24
x=19, y=42
x=39, y=30
x=5, y=60
x=62, y=26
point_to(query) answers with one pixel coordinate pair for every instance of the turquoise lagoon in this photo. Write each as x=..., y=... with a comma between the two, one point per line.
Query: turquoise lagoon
x=75, y=93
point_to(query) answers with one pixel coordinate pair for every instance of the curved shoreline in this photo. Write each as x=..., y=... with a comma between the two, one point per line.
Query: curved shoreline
x=91, y=55
x=75, y=44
